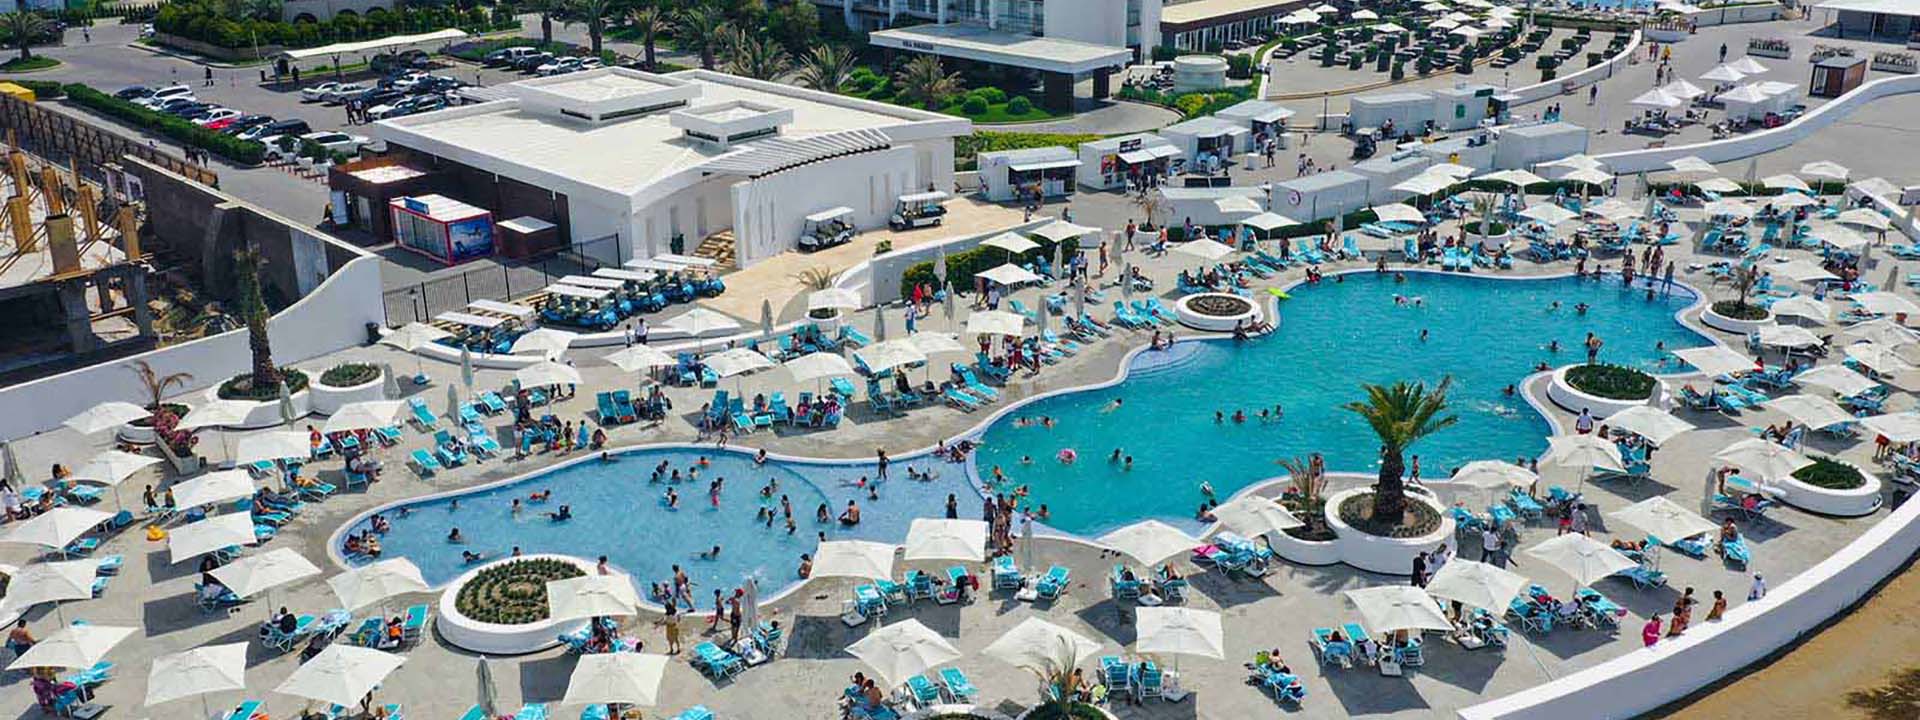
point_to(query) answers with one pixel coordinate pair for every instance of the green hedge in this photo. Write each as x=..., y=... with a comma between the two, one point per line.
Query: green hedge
x=244, y=152
x=967, y=148
x=1613, y=382
x=962, y=266
x=1190, y=104
x=1830, y=474
x=42, y=89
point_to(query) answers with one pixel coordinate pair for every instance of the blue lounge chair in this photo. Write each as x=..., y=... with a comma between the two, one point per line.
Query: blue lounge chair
x=422, y=416
x=415, y=622
x=1005, y=574
x=1053, y=583
x=974, y=386
x=532, y=711
x=491, y=402
x=449, y=453
x=697, y=712
x=715, y=662
x=922, y=691
x=958, y=688
x=424, y=464
x=1121, y=585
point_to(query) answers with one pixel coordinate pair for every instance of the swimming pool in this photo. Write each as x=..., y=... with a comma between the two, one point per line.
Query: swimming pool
x=1486, y=333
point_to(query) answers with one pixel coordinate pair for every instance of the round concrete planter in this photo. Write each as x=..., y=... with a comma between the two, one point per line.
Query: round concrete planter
x=1859, y=501
x=829, y=324
x=266, y=413
x=972, y=711
x=1304, y=552
x=143, y=435
x=1103, y=712
x=1573, y=400
x=1390, y=556
x=1486, y=241
x=496, y=639
x=1191, y=317
x=328, y=399
x=1721, y=322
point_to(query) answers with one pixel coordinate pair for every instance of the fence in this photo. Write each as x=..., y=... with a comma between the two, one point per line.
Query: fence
x=63, y=138
x=421, y=301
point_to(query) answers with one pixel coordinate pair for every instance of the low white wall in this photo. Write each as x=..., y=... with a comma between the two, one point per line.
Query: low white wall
x=1764, y=141
x=1710, y=17
x=1573, y=400
x=495, y=639
x=334, y=316
x=1552, y=88
x=1863, y=500
x=1646, y=679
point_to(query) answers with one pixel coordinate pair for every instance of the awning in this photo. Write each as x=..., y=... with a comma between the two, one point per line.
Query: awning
x=1135, y=157
x=579, y=292
x=593, y=282
x=629, y=275
x=829, y=214
x=448, y=35
x=1043, y=165
x=520, y=312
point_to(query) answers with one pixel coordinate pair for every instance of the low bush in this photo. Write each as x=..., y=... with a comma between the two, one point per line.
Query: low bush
x=349, y=374
x=42, y=89
x=962, y=266
x=244, y=152
x=1830, y=474
x=240, y=387
x=1613, y=382
x=989, y=93
x=37, y=62
x=974, y=105
x=1736, y=310
x=1020, y=105
x=513, y=593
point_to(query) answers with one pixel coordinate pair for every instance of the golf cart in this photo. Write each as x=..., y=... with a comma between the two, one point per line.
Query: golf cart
x=918, y=210
x=1363, y=146
x=826, y=228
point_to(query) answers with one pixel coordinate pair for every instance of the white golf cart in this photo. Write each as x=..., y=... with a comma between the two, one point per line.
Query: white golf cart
x=826, y=228
x=918, y=210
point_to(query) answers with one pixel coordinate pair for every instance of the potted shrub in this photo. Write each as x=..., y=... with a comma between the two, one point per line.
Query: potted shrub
x=346, y=383
x=1736, y=314
x=1313, y=542
x=1382, y=527
x=1399, y=69
x=1486, y=231
x=815, y=279
x=156, y=387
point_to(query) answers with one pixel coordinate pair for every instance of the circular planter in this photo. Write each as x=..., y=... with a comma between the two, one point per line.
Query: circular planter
x=494, y=638
x=1216, y=312
x=1490, y=242
x=973, y=711
x=1390, y=556
x=1858, y=501
x=1103, y=713
x=1199, y=72
x=829, y=324
x=327, y=399
x=1304, y=552
x=1573, y=400
x=1733, y=325
x=143, y=434
x=266, y=413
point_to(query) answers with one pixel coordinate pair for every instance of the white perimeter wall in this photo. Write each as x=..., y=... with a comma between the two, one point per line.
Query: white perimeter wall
x=1577, y=80
x=333, y=317
x=768, y=212
x=1750, y=144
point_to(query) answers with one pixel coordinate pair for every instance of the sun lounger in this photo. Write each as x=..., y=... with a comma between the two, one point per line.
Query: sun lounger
x=1005, y=574
x=491, y=401
x=697, y=712
x=922, y=692
x=532, y=711
x=956, y=686
x=715, y=662
x=422, y=416
x=1053, y=583
x=424, y=464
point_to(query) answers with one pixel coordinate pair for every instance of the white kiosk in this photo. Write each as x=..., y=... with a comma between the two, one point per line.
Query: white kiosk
x=1007, y=174
x=1209, y=142
x=1108, y=163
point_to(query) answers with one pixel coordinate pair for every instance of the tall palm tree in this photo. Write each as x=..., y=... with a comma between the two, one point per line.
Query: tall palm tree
x=925, y=82
x=24, y=27
x=826, y=68
x=757, y=57
x=592, y=13
x=650, y=20
x=157, y=385
x=253, y=308
x=1400, y=415
x=700, y=29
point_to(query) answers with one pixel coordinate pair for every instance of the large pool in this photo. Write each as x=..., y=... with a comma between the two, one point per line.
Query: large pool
x=1485, y=333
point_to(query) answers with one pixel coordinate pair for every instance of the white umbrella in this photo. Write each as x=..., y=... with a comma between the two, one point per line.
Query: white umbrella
x=1657, y=98
x=216, y=413
x=546, y=341
x=1253, y=516
x=1836, y=378
x=1879, y=358
x=214, y=533
x=1825, y=169
x=1788, y=336
x=56, y=528
x=1204, y=249
x=1582, y=452
x=1897, y=427
x=1690, y=165
x=902, y=650
x=214, y=487
x=943, y=539
x=1387, y=28
x=1445, y=23
x=375, y=582
x=1364, y=15
x=342, y=674
x=1715, y=359
x=1718, y=185
x=1723, y=74
x=1548, y=213
x=1748, y=65
x=1683, y=89
x=1426, y=183
x=254, y=573
x=1614, y=209
x=1809, y=410
x=1591, y=177
x=1476, y=584
x=1149, y=541
x=1179, y=631
x=273, y=445
x=1577, y=161
x=113, y=466
x=1268, y=222
x=1012, y=242
x=1584, y=559
x=453, y=403
x=1516, y=177
x=1864, y=217
x=1785, y=181
x=1392, y=608
x=638, y=358
x=935, y=343
x=73, y=646
x=817, y=365
x=106, y=416
x=855, y=559
x=1656, y=425
x=546, y=372
x=996, y=322
x=49, y=582
x=626, y=678
x=1883, y=331
x=1399, y=212
x=889, y=354
x=1802, y=271
x=1765, y=458
x=202, y=670
x=701, y=321
x=738, y=361
x=1043, y=647
x=1664, y=519
x=1060, y=230
x=1008, y=274
x=1885, y=303
x=1494, y=475
x=366, y=415
x=833, y=298
x=1455, y=171
x=411, y=336
x=591, y=596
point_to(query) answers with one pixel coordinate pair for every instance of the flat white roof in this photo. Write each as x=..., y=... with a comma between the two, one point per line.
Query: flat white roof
x=1885, y=7
x=973, y=42
x=1200, y=11
x=1208, y=126
x=1257, y=111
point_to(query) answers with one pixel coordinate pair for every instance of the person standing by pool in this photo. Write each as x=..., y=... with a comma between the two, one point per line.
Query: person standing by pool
x=1593, y=348
x=851, y=516
x=671, y=623
x=682, y=587
x=953, y=507
x=882, y=460
x=713, y=491
x=1584, y=423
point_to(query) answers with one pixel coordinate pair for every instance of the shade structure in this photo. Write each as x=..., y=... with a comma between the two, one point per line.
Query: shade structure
x=214, y=487
x=1789, y=336
x=1657, y=98
x=105, y=416
x=1452, y=170
x=1388, y=29
x=1548, y=213
x=342, y=674
x=1885, y=303
x=639, y=358
x=902, y=650
x=1883, y=359
x=366, y=415
x=1392, y=608
x=49, y=582
x=1584, y=559
x=1656, y=425
x=1445, y=23
x=1589, y=176
x=1809, y=410
x=817, y=365
x=1426, y=183
x=833, y=299
x=1748, y=65
x=738, y=361
x=1664, y=519
x=1059, y=230
x=411, y=336
x=1582, y=452
x=627, y=678
x=1008, y=274
x=1253, y=515
x=374, y=582
x=946, y=539
x=1802, y=271
x=1364, y=15
x=701, y=321
x=1399, y=212
x=1149, y=541
x=1179, y=631
x=56, y=528
x=1690, y=165
x=1042, y=646
x=1683, y=89
x=1723, y=74
x=1519, y=178
x=546, y=372
x=546, y=341
x=996, y=322
x=273, y=445
x=1838, y=236
x=1728, y=208
x=1614, y=209
x=202, y=670
x=73, y=646
x=1897, y=427
x=214, y=533
x=1769, y=460
x=1268, y=222
x=1578, y=161
x=1836, y=378
x=591, y=596
x=113, y=466
x=1204, y=249
x=890, y=354
x=1238, y=204
x=1883, y=331
x=254, y=573
x=863, y=559
x=1715, y=359
x=1825, y=169
x=216, y=413
x=1476, y=584
x=935, y=343
x=1494, y=475
x=1785, y=181
x=1865, y=218
x=1011, y=242
x=1718, y=185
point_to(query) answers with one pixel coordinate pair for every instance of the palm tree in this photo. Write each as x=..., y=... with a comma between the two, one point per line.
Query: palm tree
x=650, y=20
x=253, y=308
x=547, y=9
x=1484, y=207
x=1742, y=278
x=591, y=13
x=819, y=277
x=1400, y=415
x=157, y=385
x=826, y=68
x=756, y=57
x=925, y=82
x=24, y=27
x=701, y=29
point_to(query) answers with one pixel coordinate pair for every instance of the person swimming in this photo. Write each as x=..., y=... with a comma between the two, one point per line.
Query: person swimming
x=1239, y=416
x=1219, y=417
x=564, y=513
x=1510, y=391
x=1067, y=456
x=1112, y=406
x=1423, y=334
x=760, y=458
x=1026, y=459
x=672, y=499
x=1206, y=488
x=453, y=536
x=1553, y=345
x=1127, y=464
x=470, y=557
x=1115, y=457
x=1580, y=309
x=713, y=554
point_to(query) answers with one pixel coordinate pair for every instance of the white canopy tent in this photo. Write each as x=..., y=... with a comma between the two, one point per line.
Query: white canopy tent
x=862, y=559
x=1664, y=519
x=902, y=650
x=1149, y=541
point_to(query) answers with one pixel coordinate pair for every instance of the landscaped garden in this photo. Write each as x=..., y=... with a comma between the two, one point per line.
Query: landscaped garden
x=513, y=593
x=1613, y=382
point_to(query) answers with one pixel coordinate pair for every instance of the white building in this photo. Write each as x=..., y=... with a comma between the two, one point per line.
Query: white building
x=617, y=153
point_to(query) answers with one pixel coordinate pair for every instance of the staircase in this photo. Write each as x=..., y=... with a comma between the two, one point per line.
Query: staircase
x=718, y=247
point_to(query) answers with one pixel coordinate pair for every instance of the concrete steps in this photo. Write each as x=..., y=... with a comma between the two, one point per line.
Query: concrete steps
x=718, y=247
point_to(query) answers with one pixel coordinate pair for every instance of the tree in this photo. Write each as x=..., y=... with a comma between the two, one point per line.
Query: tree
x=926, y=83
x=546, y=9
x=755, y=57
x=650, y=20
x=1400, y=415
x=826, y=68
x=591, y=13
x=795, y=24
x=1484, y=207
x=700, y=29
x=24, y=27
x=1742, y=278
x=253, y=309
x=251, y=9
x=157, y=385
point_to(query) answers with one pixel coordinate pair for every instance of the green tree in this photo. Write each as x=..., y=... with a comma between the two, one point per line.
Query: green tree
x=594, y=14
x=826, y=67
x=650, y=21
x=253, y=308
x=700, y=29
x=795, y=24
x=547, y=9
x=24, y=27
x=754, y=56
x=250, y=9
x=1400, y=415
x=926, y=83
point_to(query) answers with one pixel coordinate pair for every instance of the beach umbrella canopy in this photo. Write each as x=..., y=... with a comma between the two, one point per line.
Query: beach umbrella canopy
x=49, y=582
x=944, y=539
x=254, y=573
x=1494, y=475
x=1476, y=584
x=374, y=582
x=273, y=445
x=1426, y=183
x=1011, y=242
x=1583, y=558
x=1365, y=15
x=1883, y=359
x=1149, y=541
x=1043, y=647
x=1577, y=161
x=1785, y=181
x=1204, y=249
x=1454, y=171
x=215, y=413
x=453, y=403
x=1548, y=213
x=214, y=533
x=1723, y=74
x=546, y=372
x=73, y=647
x=1179, y=631
x=411, y=336
x=56, y=528
x=1444, y=23
x=106, y=416
x=1897, y=427
x=1683, y=89
x=342, y=674
x=1591, y=177
x=738, y=361
x=1825, y=169
x=1516, y=177
x=591, y=596
x=996, y=322
x=1614, y=209
x=1839, y=379
x=113, y=466
x=1690, y=165
x=855, y=559
x=834, y=299
x=1388, y=29
x=1882, y=330
x=1657, y=98
x=1391, y=608
x=1399, y=212
x=766, y=318
x=1748, y=65
x=935, y=343
x=366, y=415
x=1864, y=217
x=1059, y=230
x=902, y=650
x=627, y=678
x=1582, y=452
x=1765, y=458
x=1718, y=185
x=202, y=670
x=1656, y=425
x=1268, y=222
x=213, y=487
x=1253, y=516
x=1664, y=519
x=1802, y=271
x=701, y=321
x=890, y=354
x=1790, y=336
x=817, y=365
x=640, y=357
x=1008, y=274
x=1809, y=410
x=1715, y=359
x=1885, y=303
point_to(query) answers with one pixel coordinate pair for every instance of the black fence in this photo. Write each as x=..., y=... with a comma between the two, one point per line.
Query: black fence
x=499, y=281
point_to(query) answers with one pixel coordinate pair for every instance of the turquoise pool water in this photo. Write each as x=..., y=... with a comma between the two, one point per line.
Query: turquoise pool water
x=1485, y=333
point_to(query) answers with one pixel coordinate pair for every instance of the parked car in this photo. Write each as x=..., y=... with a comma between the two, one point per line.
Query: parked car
x=134, y=92
x=408, y=106
x=175, y=105
x=528, y=63
x=436, y=84
x=291, y=126
x=508, y=56
x=591, y=63
x=316, y=93
x=235, y=125
x=334, y=141
x=340, y=93
x=404, y=81
x=375, y=96
x=164, y=94
x=560, y=66
x=217, y=115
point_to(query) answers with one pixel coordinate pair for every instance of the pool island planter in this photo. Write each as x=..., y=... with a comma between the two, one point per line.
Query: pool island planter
x=1216, y=312
x=494, y=638
x=1304, y=552
x=1855, y=502
x=1029, y=711
x=266, y=413
x=973, y=711
x=1573, y=400
x=143, y=434
x=1386, y=555
x=1489, y=242
x=1717, y=321
x=827, y=319
x=328, y=399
